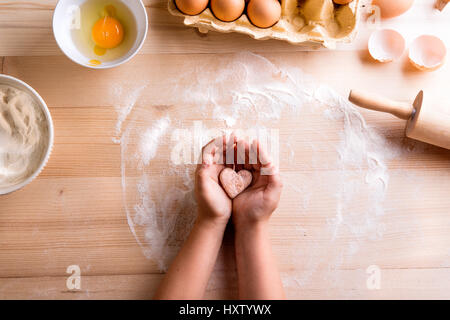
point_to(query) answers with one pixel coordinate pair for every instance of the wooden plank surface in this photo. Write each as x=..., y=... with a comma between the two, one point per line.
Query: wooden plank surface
x=74, y=213
x=32, y=34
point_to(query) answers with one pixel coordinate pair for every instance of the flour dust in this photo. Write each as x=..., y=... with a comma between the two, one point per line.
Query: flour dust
x=333, y=164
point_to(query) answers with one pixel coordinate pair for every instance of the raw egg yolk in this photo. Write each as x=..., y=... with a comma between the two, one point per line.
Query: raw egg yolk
x=107, y=33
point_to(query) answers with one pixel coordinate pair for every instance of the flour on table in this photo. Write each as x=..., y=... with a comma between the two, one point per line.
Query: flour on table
x=150, y=140
x=128, y=97
x=247, y=91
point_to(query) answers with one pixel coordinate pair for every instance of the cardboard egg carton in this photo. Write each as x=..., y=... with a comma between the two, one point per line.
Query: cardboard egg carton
x=305, y=22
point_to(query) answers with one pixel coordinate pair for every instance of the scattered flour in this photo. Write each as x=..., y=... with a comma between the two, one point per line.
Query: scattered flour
x=150, y=140
x=128, y=97
x=246, y=91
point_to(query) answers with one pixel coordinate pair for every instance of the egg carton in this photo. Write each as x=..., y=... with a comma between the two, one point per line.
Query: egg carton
x=292, y=27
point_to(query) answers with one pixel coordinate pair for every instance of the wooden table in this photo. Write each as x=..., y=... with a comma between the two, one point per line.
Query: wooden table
x=73, y=213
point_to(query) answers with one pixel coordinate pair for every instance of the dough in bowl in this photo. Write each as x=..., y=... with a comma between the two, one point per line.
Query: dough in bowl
x=23, y=135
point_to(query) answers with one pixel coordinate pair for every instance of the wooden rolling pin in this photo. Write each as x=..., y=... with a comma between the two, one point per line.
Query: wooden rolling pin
x=425, y=123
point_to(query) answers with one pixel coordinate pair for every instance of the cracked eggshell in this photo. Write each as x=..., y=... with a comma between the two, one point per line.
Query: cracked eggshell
x=427, y=53
x=386, y=45
x=440, y=4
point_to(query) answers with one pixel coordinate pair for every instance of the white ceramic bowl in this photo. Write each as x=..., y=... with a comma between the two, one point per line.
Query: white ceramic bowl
x=64, y=15
x=16, y=83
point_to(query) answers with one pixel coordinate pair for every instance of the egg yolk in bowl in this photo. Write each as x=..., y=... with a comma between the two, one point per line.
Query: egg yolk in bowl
x=107, y=33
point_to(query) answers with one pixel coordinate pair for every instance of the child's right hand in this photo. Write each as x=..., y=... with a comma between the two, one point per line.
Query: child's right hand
x=257, y=203
x=213, y=203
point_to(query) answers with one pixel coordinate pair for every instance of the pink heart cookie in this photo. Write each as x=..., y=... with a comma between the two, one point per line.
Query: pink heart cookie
x=235, y=182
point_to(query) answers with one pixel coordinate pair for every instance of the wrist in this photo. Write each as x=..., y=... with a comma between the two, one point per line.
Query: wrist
x=214, y=224
x=248, y=225
x=251, y=235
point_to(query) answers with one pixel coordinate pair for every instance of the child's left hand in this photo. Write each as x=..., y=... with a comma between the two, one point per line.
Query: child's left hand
x=213, y=203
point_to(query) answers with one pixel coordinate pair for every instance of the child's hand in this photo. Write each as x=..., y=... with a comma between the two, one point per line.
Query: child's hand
x=258, y=276
x=257, y=203
x=213, y=203
x=189, y=273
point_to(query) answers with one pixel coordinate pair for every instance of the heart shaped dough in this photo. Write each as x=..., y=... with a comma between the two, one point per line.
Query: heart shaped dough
x=235, y=182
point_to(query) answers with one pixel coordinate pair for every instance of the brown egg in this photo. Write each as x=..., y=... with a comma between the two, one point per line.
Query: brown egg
x=393, y=8
x=227, y=10
x=191, y=7
x=264, y=13
x=342, y=1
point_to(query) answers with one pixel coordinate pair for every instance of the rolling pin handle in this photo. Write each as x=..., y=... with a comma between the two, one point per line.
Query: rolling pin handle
x=401, y=110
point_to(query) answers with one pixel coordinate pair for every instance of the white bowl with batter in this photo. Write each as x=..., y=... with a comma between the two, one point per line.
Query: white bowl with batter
x=26, y=134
